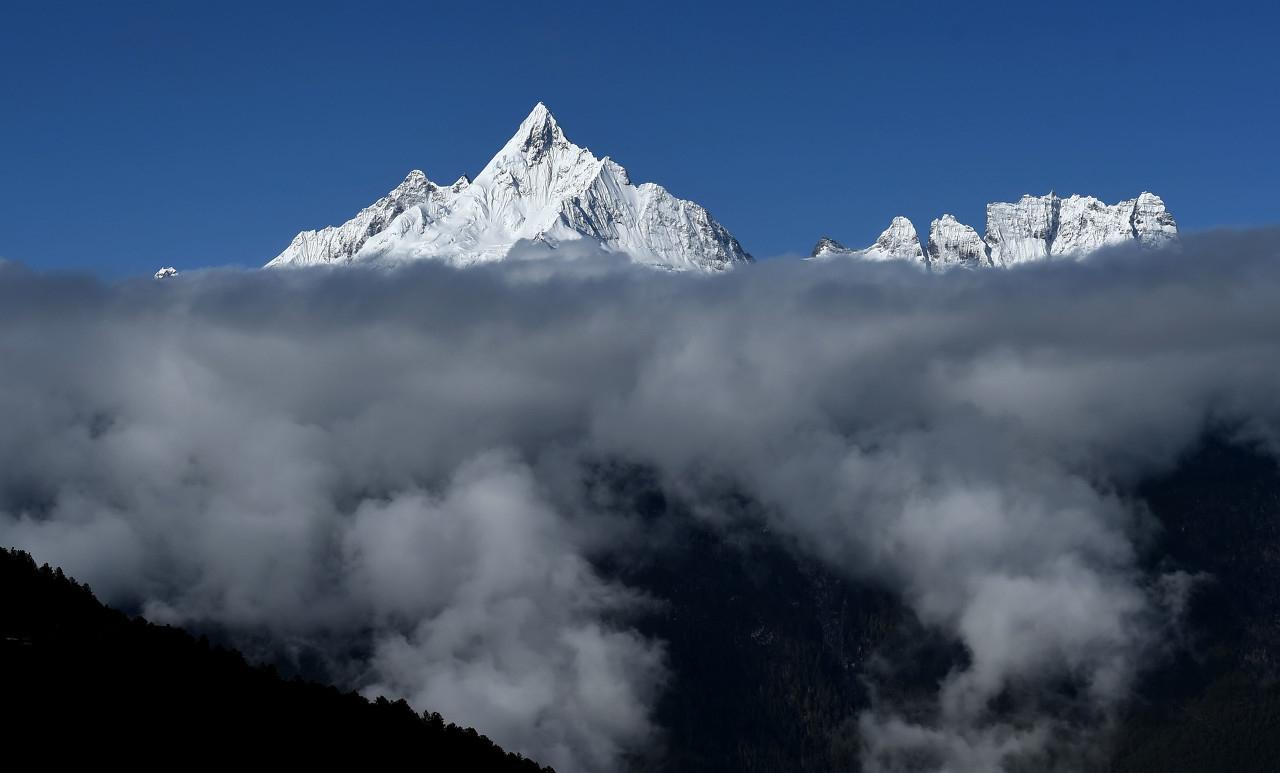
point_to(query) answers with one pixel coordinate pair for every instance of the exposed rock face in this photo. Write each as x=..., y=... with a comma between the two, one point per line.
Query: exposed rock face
x=1153, y=225
x=830, y=248
x=953, y=244
x=541, y=188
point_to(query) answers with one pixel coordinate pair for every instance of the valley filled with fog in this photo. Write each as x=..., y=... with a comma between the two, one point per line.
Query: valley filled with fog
x=462, y=487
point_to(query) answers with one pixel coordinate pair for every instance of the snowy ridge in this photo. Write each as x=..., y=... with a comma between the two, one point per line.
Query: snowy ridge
x=339, y=243
x=539, y=188
x=1030, y=229
x=1037, y=227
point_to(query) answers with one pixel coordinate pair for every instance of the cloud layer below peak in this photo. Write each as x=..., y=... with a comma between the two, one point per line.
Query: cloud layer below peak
x=325, y=454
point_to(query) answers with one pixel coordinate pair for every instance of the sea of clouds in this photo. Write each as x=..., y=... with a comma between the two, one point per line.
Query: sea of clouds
x=400, y=456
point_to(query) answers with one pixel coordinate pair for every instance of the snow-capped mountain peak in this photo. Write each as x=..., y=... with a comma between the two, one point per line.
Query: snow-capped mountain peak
x=540, y=187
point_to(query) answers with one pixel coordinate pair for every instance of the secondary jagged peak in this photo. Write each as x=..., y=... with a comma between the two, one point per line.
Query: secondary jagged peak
x=415, y=183
x=953, y=244
x=1153, y=225
x=615, y=169
x=1033, y=228
x=333, y=244
x=829, y=248
x=898, y=242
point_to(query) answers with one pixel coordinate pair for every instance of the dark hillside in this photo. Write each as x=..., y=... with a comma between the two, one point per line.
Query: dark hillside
x=78, y=679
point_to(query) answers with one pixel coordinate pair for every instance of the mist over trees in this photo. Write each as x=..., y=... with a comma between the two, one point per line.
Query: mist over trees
x=82, y=680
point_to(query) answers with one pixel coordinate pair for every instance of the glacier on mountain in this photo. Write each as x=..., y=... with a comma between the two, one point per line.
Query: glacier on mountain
x=539, y=188
x=1030, y=229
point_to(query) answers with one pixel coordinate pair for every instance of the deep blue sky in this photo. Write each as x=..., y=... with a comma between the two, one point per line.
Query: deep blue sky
x=138, y=134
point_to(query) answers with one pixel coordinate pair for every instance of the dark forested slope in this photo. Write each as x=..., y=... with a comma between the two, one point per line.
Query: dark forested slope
x=79, y=679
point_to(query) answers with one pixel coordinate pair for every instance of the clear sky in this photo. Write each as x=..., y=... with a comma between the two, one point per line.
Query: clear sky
x=135, y=134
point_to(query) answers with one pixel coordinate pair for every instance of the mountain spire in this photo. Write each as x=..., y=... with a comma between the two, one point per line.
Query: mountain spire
x=537, y=132
x=540, y=189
